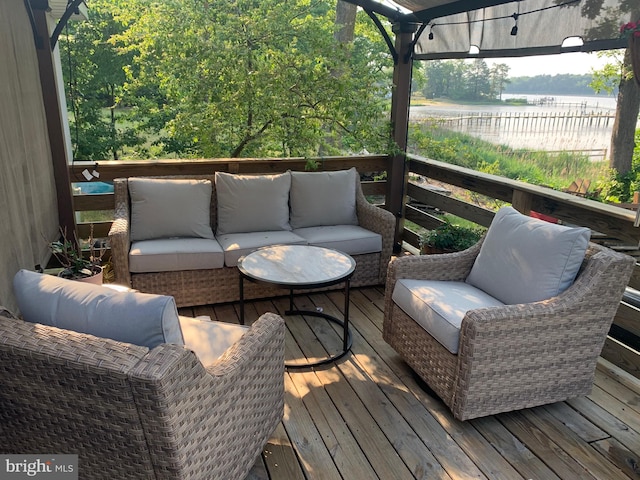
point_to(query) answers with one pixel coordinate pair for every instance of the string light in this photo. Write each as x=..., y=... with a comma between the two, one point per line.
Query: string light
x=514, y=30
x=431, y=31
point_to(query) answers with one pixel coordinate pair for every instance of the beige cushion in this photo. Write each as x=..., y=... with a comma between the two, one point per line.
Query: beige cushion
x=349, y=239
x=132, y=317
x=252, y=203
x=323, y=198
x=524, y=260
x=439, y=307
x=236, y=245
x=170, y=208
x=175, y=254
x=209, y=340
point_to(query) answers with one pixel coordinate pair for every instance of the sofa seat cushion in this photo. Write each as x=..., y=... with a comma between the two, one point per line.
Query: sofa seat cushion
x=209, y=340
x=323, y=198
x=440, y=306
x=175, y=254
x=132, y=317
x=349, y=239
x=252, y=203
x=524, y=260
x=163, y=208
x=236, y=245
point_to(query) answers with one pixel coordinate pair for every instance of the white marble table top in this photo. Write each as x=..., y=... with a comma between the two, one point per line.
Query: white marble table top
x=297, y=265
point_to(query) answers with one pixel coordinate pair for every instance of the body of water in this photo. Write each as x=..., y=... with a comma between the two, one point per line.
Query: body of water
x=549, y=122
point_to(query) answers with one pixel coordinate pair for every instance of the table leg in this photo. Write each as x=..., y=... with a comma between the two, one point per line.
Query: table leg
x=345, y=335
x=241, y=299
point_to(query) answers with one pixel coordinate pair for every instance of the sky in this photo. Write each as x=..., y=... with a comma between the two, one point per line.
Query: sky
x=577, y=63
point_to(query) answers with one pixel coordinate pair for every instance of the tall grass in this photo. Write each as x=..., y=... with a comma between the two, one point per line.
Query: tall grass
x=555, y=170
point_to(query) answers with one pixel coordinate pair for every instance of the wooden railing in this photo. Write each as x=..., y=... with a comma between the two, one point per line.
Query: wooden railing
x=607, y=221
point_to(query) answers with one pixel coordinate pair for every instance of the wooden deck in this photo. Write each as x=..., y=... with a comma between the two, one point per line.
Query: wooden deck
x=369, y=417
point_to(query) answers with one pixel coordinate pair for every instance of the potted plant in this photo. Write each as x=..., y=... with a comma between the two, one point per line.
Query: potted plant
x=449, y=238
x=75, y=266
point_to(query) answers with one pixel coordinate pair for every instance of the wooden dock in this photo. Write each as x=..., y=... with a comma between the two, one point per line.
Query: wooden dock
x=369, y=417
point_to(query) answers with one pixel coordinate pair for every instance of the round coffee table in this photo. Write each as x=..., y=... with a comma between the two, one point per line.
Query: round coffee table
x=297, y=267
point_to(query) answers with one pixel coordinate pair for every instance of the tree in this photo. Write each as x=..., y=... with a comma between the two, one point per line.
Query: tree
x=444, y=78
x=253, y=78
x=628, y=106
x=499, y=78
x=94, y=73
x=478, y=81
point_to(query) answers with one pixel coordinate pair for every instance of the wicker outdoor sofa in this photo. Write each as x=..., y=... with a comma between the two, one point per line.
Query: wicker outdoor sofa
x=201, y=286
x=130, y=412
x=508, y=355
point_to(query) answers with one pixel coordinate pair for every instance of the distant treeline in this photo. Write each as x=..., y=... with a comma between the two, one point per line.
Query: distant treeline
x=563, y=84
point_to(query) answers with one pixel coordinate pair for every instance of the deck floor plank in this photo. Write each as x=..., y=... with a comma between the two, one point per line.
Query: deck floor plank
x=369, y=416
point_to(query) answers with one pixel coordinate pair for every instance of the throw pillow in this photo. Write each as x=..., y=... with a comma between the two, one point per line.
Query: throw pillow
x=525, y=260
x=170, y=208
x=323, y=198
x=132, y=317
x=252, y=203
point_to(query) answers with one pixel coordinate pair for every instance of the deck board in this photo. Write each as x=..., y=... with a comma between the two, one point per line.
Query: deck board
x=368, y=416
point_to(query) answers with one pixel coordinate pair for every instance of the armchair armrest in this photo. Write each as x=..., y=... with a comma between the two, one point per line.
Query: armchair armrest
x=212, y=422
x=119, y=234
x=377, y=220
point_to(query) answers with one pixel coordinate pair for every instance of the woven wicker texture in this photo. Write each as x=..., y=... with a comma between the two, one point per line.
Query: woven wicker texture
x=204, y=287
x=133, y=413
x=516, y=356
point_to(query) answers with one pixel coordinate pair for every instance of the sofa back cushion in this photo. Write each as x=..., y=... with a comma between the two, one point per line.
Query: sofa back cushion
x=252, y=203
x=131, y=317
x=166, y=208
x=323, y=198
x=523, y=259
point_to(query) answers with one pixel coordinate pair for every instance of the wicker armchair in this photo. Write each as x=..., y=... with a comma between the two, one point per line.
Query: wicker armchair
x=513, y=356
x=131, y=412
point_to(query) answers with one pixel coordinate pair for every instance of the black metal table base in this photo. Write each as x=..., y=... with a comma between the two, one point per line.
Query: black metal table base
x=347, y=340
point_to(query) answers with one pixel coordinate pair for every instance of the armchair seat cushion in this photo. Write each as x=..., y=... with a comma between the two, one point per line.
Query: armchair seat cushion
x=209, y=340
x=236, y=245
x=175, y=254
x=440, y=306
x=350, y=239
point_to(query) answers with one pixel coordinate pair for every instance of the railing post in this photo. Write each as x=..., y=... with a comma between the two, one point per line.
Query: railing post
x=397, y=175
x=522, y=201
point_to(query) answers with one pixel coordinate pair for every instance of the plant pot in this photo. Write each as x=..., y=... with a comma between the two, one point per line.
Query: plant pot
x=429, y=250
x=634, y=51
x=95, y=279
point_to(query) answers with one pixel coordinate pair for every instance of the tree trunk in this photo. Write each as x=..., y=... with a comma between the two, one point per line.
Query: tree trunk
x=345, y=21
x=624, y=127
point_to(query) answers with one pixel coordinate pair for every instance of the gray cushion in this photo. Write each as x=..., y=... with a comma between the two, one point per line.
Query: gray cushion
x=439, y=307
x=323, y=198
x=349, y=239
x=209, y=340
x=236, y=245
x=170, y=208
x=252, y=203
x=525, y=260
x=175, y=254
x=131, y=317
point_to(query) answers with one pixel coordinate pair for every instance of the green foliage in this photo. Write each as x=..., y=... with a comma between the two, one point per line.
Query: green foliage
x=537, y=167
x=451, y=237
x=561, y=84
x=69, y=255
x=94, y=76
x=253, y=79
x=621, y=187
x=463, y=80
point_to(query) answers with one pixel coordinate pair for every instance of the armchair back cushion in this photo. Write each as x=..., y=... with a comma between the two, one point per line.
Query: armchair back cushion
x=524, y=260
x=252, y=203
x=323, y=198
x=170, y=208
x=132, y=317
